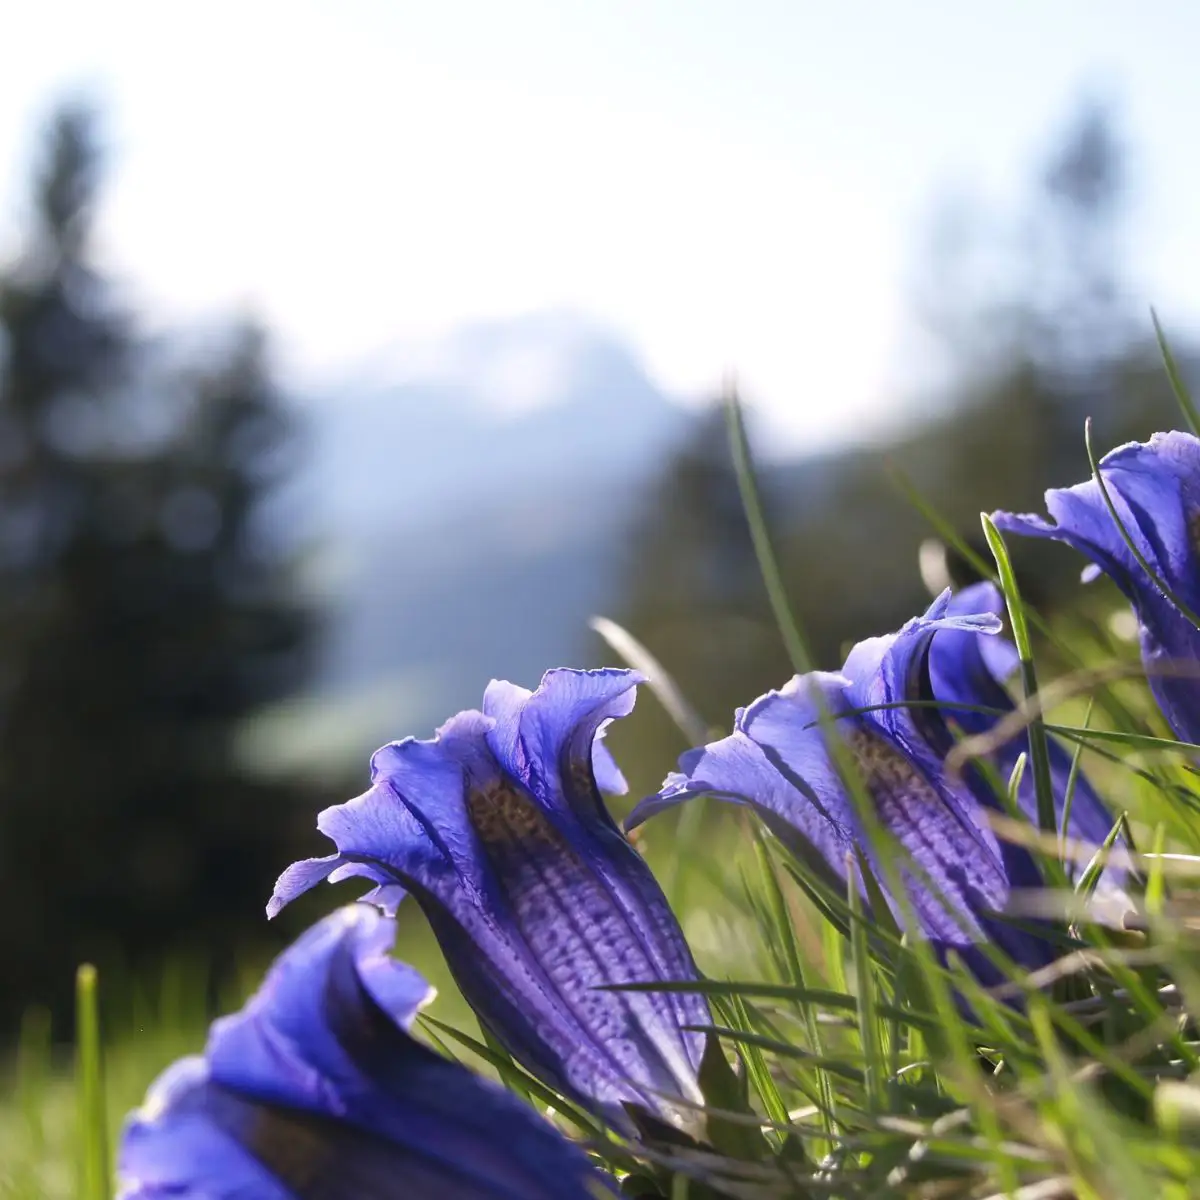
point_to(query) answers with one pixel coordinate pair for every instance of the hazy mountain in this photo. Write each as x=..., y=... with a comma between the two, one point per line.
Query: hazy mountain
x=469, y=499
x=492, y=410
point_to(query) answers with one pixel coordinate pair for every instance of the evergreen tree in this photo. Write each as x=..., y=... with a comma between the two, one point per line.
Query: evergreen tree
x=146, y=609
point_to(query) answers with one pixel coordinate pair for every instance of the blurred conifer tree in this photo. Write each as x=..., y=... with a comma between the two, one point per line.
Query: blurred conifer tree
x=146, y=610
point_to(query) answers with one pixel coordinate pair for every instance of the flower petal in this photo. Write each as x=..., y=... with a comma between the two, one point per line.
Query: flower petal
x=1155, y=489
x=384, y=837
x=288, y=1043
x=170, y=1148
x=779, y=760
x=539, y=903
x=889, y=670
x=548, y=738
x=318, y=1082
x=564, y=918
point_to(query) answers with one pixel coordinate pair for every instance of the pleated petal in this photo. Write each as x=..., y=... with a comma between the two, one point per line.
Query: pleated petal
x=496, y=827
x=779, y=760
x=1155, y=489
x=316, y=1090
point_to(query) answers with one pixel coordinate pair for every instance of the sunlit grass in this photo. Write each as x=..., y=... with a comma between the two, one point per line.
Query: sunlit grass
x=864, y=1072
x=865, y=1067
x=163, y=1018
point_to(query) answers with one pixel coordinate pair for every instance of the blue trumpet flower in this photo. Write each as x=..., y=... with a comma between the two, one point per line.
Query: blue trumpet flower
x=967, y=671
x=1155, y=490
x=780, y=761
x=539, y=903
x=315, y=1090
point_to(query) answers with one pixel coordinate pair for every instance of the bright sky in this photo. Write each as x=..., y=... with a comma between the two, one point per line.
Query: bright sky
x=727, y=183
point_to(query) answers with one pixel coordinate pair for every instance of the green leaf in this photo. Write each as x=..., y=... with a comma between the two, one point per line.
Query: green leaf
x=723, y=1089
x=739, y=1014
x=822, y=997
x=512, y=1075
x=880, y=910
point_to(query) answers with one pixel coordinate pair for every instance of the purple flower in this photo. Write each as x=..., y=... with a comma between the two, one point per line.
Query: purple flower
x=315, y=1090
x=778, y=761
x=967, y=670
x=1155, y=489
x=497, y=828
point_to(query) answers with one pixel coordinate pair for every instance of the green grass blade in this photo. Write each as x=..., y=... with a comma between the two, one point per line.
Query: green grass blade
x=739, y=1014
x=768, y=565
x=784, y=937
x=1101, y=1155
x=658, y=679
x=822, y=997
x=1123, y=737
x=511, y=1074
x=1073, y=780
x=940, y=525
x=832, y=937
x=514, y=1078
x=1182, y=395
x=94, y=1177
x=868, y=1025
x=1090, y=876
x=1156, y=884
x=1039, y=751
